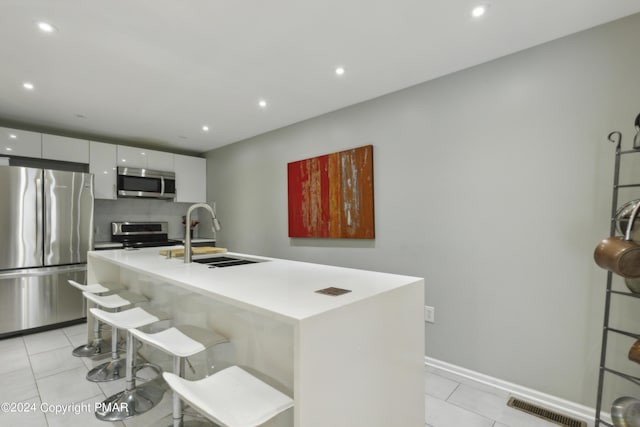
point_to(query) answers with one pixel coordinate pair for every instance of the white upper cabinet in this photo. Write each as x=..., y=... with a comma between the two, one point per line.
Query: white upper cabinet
x=160, y=161
x=14, y=142
x=56, y=147
x=191, y=179
x=102, y=163
x=131, y=157
x=145, y=159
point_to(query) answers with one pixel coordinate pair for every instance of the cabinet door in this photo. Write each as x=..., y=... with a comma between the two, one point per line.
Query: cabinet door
x=132, y=157
x=14, y=142
x=56, y=147
x=191, y=179
x=160, y=161
x=102, y=163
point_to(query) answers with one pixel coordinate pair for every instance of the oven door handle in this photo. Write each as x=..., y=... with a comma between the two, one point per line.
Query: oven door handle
x=162, y=185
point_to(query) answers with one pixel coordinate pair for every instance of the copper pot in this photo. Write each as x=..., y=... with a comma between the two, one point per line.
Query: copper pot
x=634, y=352
x=620, y=255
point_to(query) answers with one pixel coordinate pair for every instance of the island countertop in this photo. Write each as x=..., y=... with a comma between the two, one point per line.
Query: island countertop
x=274, y=286
x=365, y=347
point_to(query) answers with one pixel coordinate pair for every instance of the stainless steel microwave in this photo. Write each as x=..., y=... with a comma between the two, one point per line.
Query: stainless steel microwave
x=145, y=183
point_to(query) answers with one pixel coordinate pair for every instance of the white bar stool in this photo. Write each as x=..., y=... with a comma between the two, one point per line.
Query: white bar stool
x=181, y=342
x=133, y=400
x=114, y=369
x=231, y=397
x=95, y=346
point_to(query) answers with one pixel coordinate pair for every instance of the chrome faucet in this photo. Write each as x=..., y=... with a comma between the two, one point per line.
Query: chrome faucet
x=215, y=226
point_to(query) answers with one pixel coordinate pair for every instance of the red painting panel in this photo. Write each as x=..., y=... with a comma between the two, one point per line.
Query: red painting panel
x=331, y=196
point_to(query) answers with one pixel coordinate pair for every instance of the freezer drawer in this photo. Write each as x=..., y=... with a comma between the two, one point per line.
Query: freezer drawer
x=33, y=298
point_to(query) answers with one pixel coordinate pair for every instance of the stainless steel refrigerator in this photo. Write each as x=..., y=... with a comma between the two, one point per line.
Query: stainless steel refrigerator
x=46, y=229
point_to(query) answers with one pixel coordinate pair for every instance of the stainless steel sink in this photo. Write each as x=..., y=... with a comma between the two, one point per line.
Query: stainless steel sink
x=223, y=261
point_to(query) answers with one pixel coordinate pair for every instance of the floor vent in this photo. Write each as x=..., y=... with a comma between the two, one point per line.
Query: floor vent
x=545, y=414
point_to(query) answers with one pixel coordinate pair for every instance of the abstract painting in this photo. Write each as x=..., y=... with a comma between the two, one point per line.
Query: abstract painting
x=331, y=196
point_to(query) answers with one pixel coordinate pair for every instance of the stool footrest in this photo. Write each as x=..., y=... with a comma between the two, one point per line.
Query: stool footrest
x=129, y=403
x=110, y=371
x=94, y=348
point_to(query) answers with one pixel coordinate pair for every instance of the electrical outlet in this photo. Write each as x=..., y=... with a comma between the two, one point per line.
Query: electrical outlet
x=429, y=314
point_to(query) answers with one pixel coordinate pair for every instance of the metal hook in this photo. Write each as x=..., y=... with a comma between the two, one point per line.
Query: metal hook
x=617, y=141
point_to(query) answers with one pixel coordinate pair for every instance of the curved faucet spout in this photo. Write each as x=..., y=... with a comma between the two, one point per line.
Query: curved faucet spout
x=187, y=224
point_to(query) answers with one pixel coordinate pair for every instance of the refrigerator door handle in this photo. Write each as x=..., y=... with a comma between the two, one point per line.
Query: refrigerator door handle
x=162, y=185
x=41, y=271
x=47, y=202
x=39, y=214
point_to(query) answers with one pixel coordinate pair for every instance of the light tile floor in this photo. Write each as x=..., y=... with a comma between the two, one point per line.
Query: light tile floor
x=454, y=401
x=38, y=372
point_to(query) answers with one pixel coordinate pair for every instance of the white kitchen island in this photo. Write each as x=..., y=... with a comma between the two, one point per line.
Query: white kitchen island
x=353, y=360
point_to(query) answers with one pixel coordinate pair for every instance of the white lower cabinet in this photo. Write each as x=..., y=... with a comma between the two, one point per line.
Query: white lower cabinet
x=191, y=179
x=63, y=148
x=102, y=163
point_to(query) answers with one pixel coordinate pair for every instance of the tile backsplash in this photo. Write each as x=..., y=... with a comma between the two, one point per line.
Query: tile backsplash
x=107, y=211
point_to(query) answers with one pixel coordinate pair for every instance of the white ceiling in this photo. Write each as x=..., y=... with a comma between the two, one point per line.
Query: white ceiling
x=153, y=72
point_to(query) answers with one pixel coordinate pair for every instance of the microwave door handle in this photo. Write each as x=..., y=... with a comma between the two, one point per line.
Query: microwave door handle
x=162, y=185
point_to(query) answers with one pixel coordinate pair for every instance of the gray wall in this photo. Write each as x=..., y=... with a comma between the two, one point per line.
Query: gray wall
x=492, y=183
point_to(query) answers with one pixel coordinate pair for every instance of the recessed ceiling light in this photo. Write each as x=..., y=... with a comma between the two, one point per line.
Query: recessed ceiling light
x=13, y=136
x=205, y=128
x=28, y=86
x=262, y=103
x=45, y=27
x=340, y=71
x=9, y=149
x=479, y=11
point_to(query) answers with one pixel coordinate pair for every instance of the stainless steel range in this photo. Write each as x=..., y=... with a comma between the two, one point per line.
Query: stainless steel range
x=142, y=234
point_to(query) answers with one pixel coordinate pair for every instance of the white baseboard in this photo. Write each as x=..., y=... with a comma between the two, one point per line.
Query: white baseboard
x=554, y=403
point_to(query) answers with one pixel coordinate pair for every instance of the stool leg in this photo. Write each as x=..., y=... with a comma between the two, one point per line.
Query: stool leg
x=178, y=407
x=95, y=347
x=178, y=369
x=134, y=400
x=109, y=371
x=131, y=363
